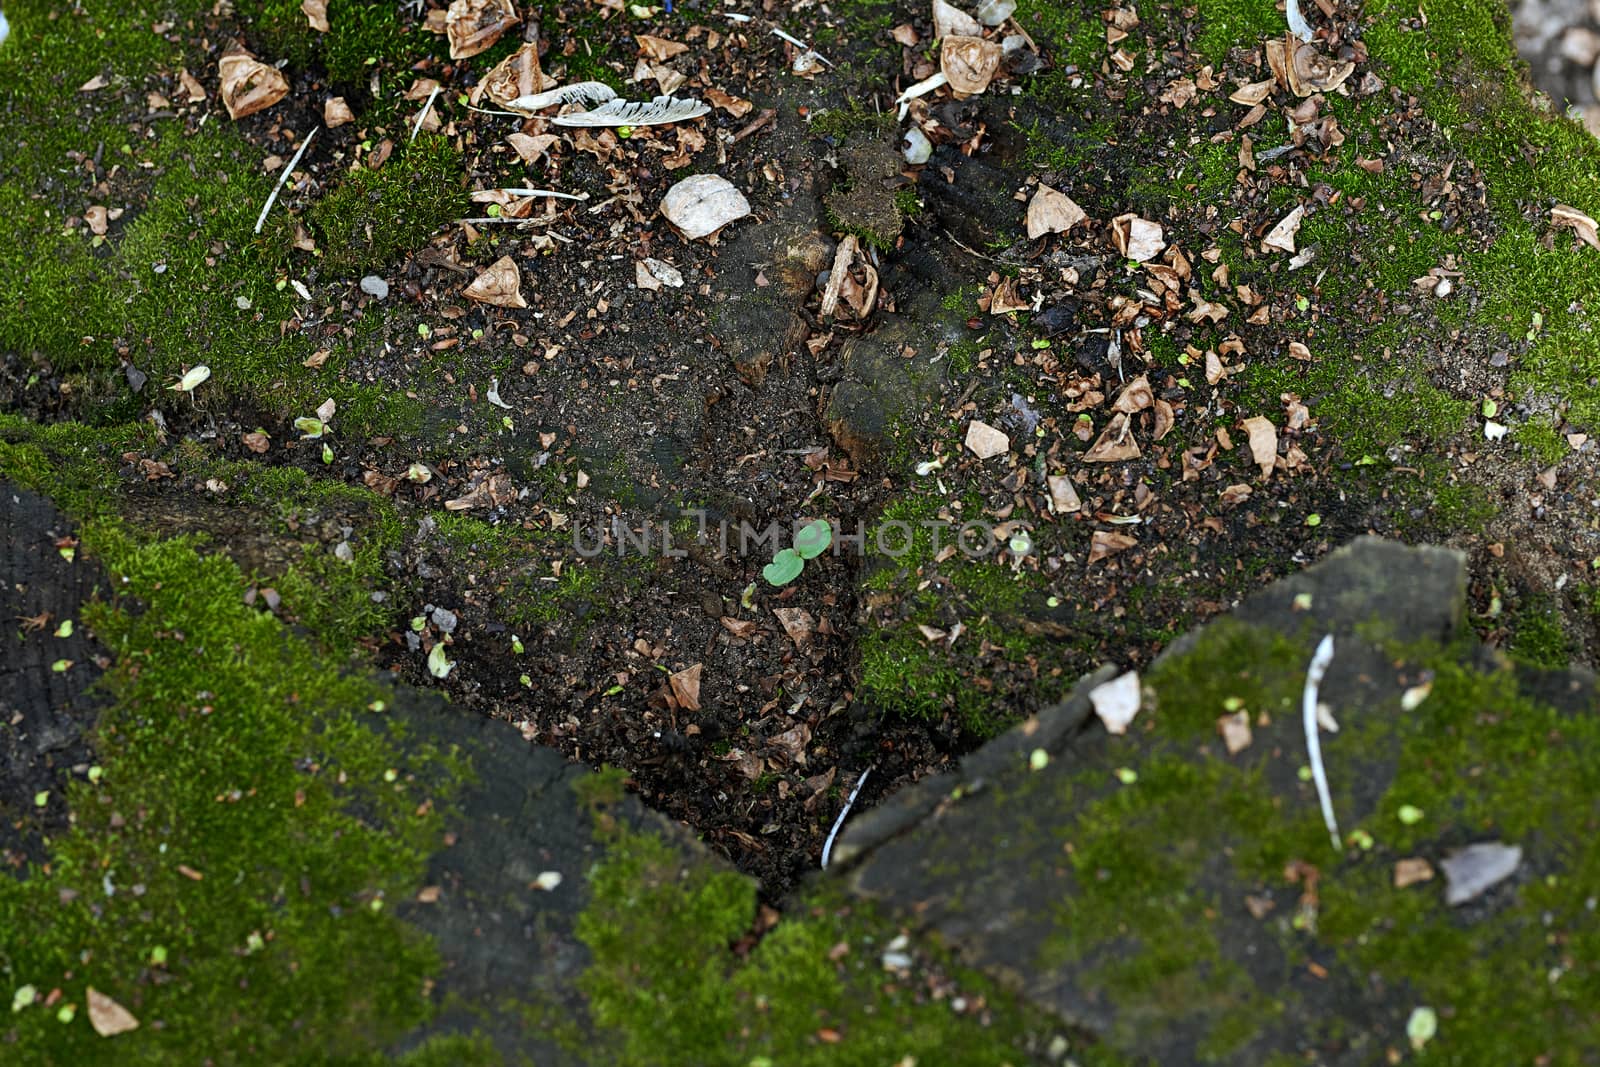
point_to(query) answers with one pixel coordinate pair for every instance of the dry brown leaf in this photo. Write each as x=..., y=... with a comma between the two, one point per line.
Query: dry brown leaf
x=316, y=13
x=531, y=148
x=702, y=204
x=1282, y=235
x=96, y=218
x=107, y=1016
x=191, y=86
x=249, y=85
x=1235, y=731
x=736, y=106
x=1135, y=396
x=1005, y=298
x=336, y=112
x=1165, y=418
x=1309, y=71
x=686, y=687
x=99, y=81
x=474, y=26
x=659, y=48
x=985, y=441
x=1063, y=495
x=792, y=743
x=1105, y=543
x=1136, y=238
x=1582, y=225
x=1253, y=93
x=256, y=441
x=951, y=21
x=969, y=63
x=743, y=629
x=1263, y=442
x=1411, y=871
x=500, y=285
x=517, y=75
x=1115, y=443
x=797, y=623
x=1234, y=495
x=1052, y=211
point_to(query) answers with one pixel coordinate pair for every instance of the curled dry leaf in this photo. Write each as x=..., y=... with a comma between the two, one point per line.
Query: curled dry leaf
x=1165, y=418
x=736, y=106
x=659, y=48
x=97, y=217
x=316, y=13
x=1115, y=443
x=474, y=26
x=1582, y=225
x=1052, y=211
x=530, y=149
x=1263, y=442
x=1103, y=543
x=1135, y=396
x=1136, y=238
x=951, y=21
x=107, y=1016
x=1252, y=93
x=517, y=75
x=686, y=687
x=1411, y=871
x=249, y=85
x=1309, y=71
x=985, y=441
x=702, y=204
x=335, y=112
x=969, y=63
x=500, y=285
x=1282, y=235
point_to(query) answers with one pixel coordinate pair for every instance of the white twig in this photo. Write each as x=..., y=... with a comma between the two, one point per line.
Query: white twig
x=273, y=199
x=545, y=192
x=827, y=846
x=432, y=93
x=1308, y=712
x=798, y=43
x=1297, y=22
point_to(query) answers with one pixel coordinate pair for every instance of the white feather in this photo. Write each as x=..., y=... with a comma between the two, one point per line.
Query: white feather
x=587, y=93
x=661, y=110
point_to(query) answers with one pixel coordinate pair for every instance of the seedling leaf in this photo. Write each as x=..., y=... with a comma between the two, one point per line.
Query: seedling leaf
x=784, y=568
x=813, y=539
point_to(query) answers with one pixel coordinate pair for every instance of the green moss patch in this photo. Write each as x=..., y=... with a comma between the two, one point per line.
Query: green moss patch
x=236, y=846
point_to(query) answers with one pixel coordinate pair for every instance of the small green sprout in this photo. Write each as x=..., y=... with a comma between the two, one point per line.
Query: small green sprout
x=810, y=541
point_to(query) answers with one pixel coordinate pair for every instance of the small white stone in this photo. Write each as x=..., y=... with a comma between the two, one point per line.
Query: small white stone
x=702, y=204
x=985, y=441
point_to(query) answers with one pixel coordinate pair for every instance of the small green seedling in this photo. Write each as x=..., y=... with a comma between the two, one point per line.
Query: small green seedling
x=810, y=541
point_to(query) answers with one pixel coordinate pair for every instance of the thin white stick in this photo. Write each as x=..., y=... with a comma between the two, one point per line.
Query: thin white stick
x=827, y=846
x=545, y=192
x=798, y=43
x=1297, y=22
x=1308, y=713
x=425, y=109
x=273, y=199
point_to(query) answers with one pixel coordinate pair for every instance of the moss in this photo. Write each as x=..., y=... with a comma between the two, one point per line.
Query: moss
x=229, y=748
x=363, y=36
x=376, y=214
x=1537, y=636
x=1543, y=440
x=665, y=987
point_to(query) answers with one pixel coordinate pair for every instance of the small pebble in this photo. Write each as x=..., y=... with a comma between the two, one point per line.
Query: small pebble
x=445, y=620
x=373, y=285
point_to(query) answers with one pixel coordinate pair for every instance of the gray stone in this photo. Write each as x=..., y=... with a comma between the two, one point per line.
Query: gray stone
x=375, y=286
x=1476, y=869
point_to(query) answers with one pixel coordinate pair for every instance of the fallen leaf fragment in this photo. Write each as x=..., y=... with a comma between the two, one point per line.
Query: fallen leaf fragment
x=336, y=112
x=1582, y=225
x=1235, y=731
x=249, y=85
x=985, y=441
x=500, y=284
x=797, y=623
x=1116, y=702
x=1308, y=71
x=1411, y=871
x=1282, y=235
x=517, y=75
x=736, y=106
x=1052, y=211
x=659, y=48
x=1472, y=871
x=96, y=218
x=969, y=63
x=951, y=21
x=1115, y=443
x=474, y=26
x=1103, y=543
x=107, y=1016
x=1063, y=495
x=1137, y=238
x=316, y=13
x=686, y=687
x=702, y=204
x=97, y=82
x=1253, y=93
x=1263, y=442
x=192, y=88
